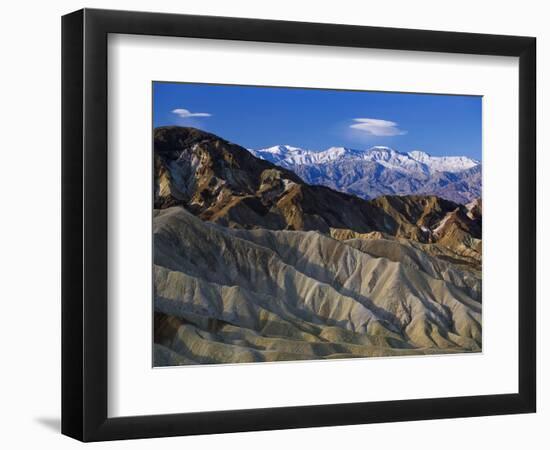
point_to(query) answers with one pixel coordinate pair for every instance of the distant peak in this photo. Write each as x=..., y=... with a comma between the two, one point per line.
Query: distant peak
x=443, y=163
x=381, y=151
x=419, y=154
x=275, y=149
x=279, y=148
x=336, y=150
x=381, y=147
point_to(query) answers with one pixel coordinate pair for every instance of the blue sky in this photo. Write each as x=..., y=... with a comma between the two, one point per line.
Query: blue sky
x=257, y=117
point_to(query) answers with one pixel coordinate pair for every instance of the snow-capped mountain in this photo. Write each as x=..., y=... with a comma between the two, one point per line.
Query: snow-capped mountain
x=444, y=163
x=288, y=156
x=381, y=170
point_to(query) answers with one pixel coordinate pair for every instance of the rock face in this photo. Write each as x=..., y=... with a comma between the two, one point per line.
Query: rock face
x=253, y=264
x=381, y=171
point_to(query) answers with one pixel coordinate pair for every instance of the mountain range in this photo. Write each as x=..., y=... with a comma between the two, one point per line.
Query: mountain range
x=252, y=263
x=381, y=171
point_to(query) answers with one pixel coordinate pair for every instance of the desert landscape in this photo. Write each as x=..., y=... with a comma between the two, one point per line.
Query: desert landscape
x=281, y=253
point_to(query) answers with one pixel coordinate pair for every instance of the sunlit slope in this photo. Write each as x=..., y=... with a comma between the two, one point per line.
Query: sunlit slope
x=230, y=295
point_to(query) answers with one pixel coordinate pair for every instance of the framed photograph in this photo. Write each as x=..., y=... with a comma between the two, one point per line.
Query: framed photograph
x=273, y=224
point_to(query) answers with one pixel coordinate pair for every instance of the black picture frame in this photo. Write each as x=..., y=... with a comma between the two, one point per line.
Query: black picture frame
x=84, y=224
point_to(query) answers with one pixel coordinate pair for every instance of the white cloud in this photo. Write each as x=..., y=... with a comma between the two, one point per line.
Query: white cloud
x=377, y=127
x=185, y=113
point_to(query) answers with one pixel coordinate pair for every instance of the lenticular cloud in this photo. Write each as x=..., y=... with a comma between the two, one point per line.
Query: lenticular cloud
x=377, y=127
x=184, y=113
